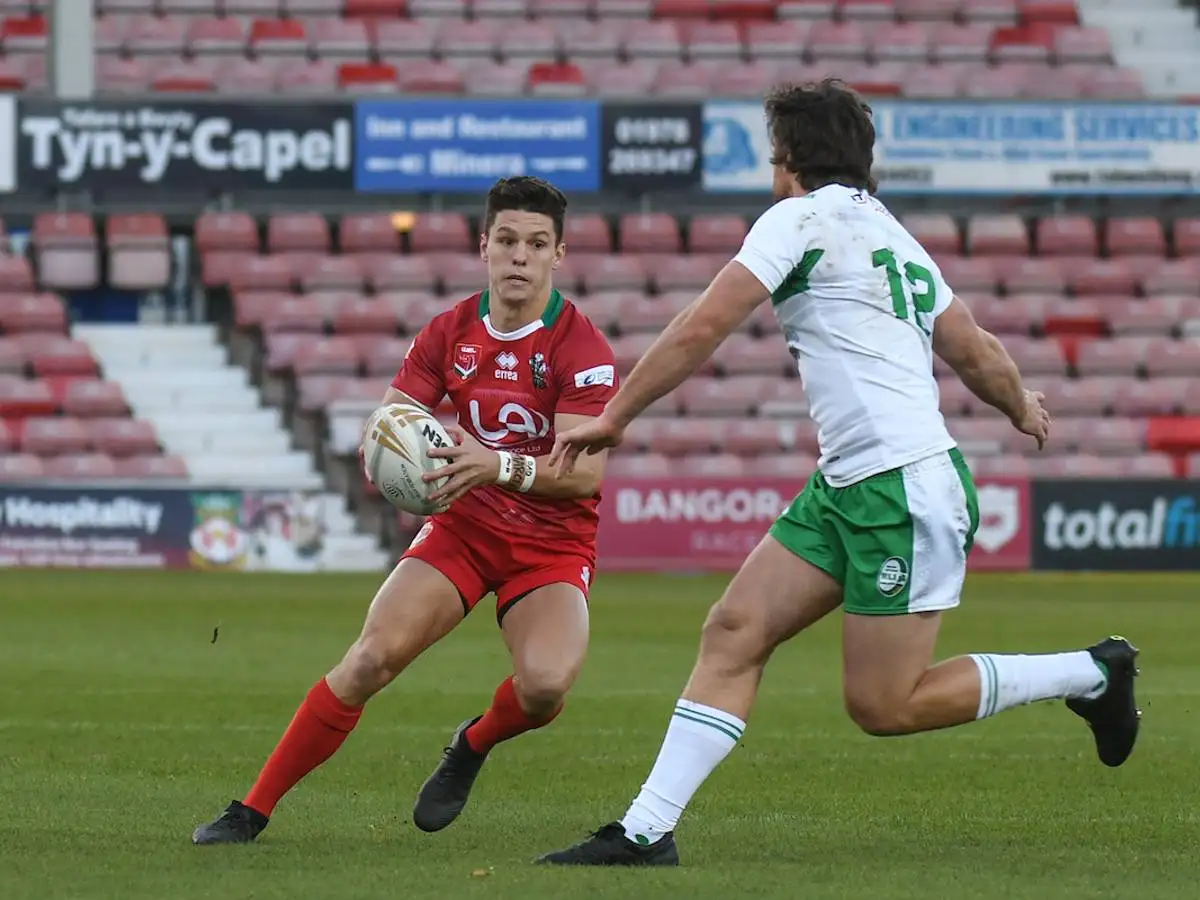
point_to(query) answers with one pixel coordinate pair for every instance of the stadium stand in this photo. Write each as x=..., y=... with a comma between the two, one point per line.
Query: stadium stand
x=690, y=48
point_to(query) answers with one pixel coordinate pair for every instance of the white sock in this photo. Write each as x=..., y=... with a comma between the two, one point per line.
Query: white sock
x=698, y=738
x=1008, y=681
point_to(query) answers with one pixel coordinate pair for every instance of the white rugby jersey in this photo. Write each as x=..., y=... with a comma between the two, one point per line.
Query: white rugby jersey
x=856, y=297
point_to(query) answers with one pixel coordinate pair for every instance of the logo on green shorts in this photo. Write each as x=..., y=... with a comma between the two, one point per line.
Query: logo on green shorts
x=892, y=577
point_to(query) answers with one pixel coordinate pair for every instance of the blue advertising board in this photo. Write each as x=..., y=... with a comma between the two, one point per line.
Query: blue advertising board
x=988, y=148
x=404, y=146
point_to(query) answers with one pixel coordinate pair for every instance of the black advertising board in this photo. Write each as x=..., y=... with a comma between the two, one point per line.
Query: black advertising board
x=1116, y=525
x=186, y=145
x=651, y=146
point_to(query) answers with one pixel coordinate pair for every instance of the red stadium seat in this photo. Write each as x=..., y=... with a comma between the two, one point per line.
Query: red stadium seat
x=1030, y=274
x=610, y=272
x=1066, y=236
x=716, y=233
x=87, y=397
x=937, y=232
x=830, y=40
x=53, y=436
x=997, y=235
x=303, y=232
x=20, y=468
x=391, y=272
x=152, y=468
x=63, y=356
x=372, y=315
x=65, y=245
x=1135, y=236
x=587, y=233
x=81, y=467
x=226, y=231
x=713, y=465
x=442, y=233
x=121, y=437
x=261, y=273
x=139, y=255
x=333, y=273
x=691, y=273
x=32, y=312
x=294, y=314
x=1120, y=356
x=1102, y=277
x=16, y=275
x=330, y=356
x=626, y=465
x=368, y=233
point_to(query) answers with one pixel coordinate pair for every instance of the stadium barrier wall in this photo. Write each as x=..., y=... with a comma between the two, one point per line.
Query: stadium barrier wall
x=164, y=528
x=647, y=524
x=699, y=524
x=1116, y=525
x=454, y=145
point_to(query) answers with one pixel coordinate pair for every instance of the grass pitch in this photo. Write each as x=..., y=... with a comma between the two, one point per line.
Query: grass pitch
x=122, y=726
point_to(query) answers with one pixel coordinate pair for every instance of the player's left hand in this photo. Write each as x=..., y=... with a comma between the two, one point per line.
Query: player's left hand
x=471, y=465
x=600, y=433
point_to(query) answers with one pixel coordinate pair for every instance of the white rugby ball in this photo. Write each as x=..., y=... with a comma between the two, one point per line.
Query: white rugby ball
x=396, y=447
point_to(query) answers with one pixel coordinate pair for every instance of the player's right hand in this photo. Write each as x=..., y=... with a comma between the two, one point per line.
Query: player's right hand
x=1034, y=420
x=600, y=433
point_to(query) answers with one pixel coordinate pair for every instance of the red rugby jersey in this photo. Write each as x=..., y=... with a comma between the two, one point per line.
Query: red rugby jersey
x=506, y=389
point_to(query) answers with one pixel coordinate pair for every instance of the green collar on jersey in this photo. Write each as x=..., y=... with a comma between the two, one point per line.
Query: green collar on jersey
x=549, y=316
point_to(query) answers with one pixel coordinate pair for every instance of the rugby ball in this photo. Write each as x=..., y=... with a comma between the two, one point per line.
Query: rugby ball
x=396, y=446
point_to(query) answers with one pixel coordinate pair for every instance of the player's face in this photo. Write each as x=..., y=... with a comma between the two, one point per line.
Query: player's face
x=520, y=252
x=783, y=182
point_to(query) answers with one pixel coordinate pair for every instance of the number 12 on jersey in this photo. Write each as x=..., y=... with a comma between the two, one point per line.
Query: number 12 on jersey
x=923, y=291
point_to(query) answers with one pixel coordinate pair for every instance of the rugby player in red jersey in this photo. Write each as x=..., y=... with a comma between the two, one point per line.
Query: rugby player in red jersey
x=519, y=362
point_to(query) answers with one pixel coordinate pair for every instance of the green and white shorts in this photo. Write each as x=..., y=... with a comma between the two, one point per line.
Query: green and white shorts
x=897, y=542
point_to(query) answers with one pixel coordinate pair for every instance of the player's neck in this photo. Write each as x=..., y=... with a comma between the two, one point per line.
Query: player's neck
x=507, y=317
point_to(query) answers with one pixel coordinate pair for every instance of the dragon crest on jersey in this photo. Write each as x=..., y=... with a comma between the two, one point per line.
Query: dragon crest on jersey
x=466, y=360
x=541, y=371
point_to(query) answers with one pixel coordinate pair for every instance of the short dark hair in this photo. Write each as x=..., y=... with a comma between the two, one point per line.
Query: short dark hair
x=822, y=133
x=527, y=194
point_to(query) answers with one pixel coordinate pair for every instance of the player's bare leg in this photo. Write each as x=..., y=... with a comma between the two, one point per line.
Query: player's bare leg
x=773, y=597
x=547, y=636
x=892, y=687
x=414, y=608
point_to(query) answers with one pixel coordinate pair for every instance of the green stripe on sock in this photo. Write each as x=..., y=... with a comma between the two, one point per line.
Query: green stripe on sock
x=717, y=726
x=995, y=686
x=710, y=717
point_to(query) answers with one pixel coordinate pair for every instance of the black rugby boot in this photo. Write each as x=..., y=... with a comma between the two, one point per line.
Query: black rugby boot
x=610, y=847
x=1114, y=716
x=239, y=824
x=445, y=792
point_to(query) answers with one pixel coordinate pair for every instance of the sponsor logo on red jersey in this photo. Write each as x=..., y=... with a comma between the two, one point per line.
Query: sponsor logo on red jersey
x=466, y=360
x=517, y=424
x=506, y=365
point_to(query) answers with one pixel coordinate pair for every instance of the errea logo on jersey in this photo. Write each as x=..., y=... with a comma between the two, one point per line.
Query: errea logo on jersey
x=506, y=362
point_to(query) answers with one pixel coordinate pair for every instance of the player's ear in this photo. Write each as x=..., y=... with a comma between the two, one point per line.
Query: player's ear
x=559, y=252
x=483, y=246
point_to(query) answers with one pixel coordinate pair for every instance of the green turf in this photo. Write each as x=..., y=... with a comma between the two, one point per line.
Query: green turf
x=122, y=726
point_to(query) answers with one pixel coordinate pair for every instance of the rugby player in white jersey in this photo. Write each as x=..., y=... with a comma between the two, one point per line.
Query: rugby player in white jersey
x=884, y=527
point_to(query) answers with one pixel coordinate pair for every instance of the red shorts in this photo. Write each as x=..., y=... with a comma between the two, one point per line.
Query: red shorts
x=479, y=563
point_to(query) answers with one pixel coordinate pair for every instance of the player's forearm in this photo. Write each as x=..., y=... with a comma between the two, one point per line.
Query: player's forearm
x=993, y=377
x=679, y=351
x=583, y=482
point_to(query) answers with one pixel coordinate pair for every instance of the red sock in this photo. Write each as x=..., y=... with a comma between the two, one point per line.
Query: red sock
x=504, y=719
x=319, y=727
